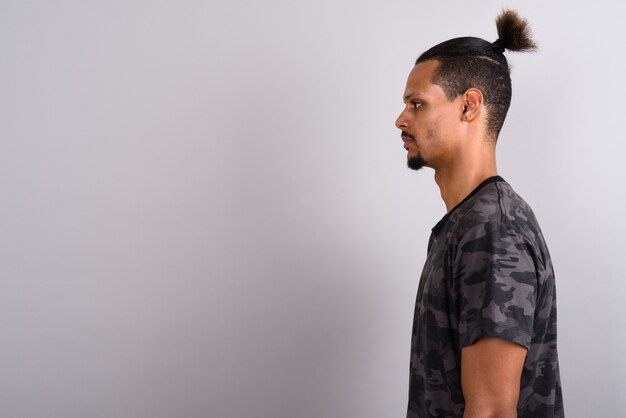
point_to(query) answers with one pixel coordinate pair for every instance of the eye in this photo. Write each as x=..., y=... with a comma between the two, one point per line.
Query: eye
x=415, y=105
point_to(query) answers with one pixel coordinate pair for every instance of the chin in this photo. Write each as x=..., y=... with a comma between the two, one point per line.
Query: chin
x=416, y=163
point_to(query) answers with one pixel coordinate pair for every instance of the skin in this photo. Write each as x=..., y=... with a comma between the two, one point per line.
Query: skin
x=491, y=370
x=451, y=138
x=449, y=135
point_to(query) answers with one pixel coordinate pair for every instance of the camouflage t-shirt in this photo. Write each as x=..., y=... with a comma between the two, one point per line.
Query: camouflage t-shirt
x=487, y=274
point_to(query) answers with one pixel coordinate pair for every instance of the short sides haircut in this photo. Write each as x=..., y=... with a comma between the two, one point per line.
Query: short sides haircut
x=470, y=62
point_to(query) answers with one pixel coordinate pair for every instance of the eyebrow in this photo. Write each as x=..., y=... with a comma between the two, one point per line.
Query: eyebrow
x=412, y=95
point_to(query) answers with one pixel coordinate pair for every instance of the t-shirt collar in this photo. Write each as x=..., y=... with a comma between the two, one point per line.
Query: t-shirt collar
x=437, y=228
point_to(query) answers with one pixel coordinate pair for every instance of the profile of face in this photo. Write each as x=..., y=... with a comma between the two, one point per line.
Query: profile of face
x=430, y=122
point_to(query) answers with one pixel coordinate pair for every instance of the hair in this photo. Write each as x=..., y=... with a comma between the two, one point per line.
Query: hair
x=473, y=62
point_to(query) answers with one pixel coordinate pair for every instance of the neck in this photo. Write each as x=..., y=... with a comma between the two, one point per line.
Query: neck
x=458, y=180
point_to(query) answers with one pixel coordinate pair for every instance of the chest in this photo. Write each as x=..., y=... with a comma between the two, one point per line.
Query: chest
x=434, y=296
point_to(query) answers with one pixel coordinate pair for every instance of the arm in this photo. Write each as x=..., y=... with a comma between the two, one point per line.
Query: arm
x=491, y=371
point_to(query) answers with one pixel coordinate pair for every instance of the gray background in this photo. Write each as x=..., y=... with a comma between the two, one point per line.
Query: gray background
x=205, y=209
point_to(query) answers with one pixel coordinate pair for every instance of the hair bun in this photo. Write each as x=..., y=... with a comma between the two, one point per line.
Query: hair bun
x=513, y=32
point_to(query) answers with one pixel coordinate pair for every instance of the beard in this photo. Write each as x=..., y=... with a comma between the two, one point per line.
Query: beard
x=415, y=163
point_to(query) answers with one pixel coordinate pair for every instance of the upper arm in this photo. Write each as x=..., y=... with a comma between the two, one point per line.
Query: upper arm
x=491, y=370
x=494, y=285
x=495, y=288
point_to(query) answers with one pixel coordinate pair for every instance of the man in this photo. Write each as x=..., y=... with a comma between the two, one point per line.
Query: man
x=484, y=332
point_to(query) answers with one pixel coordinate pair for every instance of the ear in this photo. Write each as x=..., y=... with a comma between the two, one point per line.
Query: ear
x=473, y=104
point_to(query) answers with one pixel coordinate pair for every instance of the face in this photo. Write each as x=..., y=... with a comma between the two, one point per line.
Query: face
x=430, y=122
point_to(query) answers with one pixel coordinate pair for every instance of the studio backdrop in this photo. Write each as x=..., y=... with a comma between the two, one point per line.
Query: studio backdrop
x=205, y=209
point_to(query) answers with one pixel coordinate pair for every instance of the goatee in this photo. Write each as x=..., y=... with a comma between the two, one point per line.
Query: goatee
x=415, y=163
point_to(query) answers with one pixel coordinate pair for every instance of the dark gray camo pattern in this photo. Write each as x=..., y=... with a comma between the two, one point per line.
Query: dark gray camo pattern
x=488, y=274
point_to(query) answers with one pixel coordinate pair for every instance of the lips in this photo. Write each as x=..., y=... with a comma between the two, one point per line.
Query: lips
x=407, y=140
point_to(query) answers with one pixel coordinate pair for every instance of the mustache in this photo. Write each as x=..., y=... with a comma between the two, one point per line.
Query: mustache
x=408, y=135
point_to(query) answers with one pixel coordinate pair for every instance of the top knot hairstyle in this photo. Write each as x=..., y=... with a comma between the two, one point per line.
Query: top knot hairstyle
x=513, y=32
x=473, y=62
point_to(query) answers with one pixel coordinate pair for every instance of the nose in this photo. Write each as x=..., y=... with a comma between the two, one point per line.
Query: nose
x=401, y=121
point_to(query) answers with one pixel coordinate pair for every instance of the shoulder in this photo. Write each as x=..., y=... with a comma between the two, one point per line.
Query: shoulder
x=496, y=220
x=518, y=214
x=496, y=207
x=483, y=210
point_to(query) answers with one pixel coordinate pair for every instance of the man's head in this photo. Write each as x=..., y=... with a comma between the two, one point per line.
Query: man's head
x=473, y=75
x=432, y=124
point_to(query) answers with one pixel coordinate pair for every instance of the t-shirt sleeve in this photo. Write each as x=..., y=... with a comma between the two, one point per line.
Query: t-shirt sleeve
x=494, y=284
